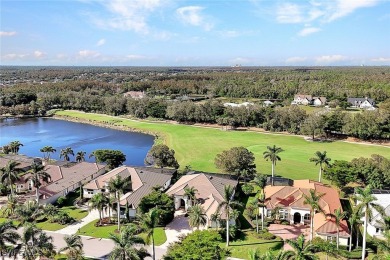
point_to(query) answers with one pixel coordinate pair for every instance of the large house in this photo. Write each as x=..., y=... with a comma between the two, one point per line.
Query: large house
x=308, y=100
x=143, y=179
x=363, y=103
x=25, y=162
x=289, y=201
x=64, y=178
x=135, y=94
x=375, y=226
x=210, y=190
x=244, y=104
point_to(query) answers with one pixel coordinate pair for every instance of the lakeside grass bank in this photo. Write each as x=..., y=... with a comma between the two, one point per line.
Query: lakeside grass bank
x=198, y=146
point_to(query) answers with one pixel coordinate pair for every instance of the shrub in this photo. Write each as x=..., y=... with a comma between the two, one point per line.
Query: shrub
x=285, y=222
x=247, y=189
x=61, y=200
x=62, y=218
x=265, y=235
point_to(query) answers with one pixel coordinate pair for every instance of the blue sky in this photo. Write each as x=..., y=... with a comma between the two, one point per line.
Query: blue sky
x=195, y=33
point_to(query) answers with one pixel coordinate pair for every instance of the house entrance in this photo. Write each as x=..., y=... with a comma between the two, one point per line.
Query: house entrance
x=182, y=203
x=297, y=217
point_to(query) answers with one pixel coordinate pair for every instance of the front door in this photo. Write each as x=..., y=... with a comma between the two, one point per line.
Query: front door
x=297, y=217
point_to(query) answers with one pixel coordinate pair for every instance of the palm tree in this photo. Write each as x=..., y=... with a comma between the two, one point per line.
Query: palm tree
x=10, y=174
x=260, y=181
x=366, y=203
x=66, y=152
x=47, y=150
x=226, y=205
x=73, y=248
x=8, y=235
x=98, y=201
x=80, y=156
x=272, y=154
x=313, y=200
x=338, y=216
x=276, y=255
x=15, y=146
x=190, y=192
x=197, y=216
x=301, y=251
x=216, y=217
x=119, y=186
x=28, y=212
x=354, y=218
x=148, y=222
x=9, y=209
x=322, y=160
x=329, y=249
x=38, y=175
x=124, y=245
x=34, y=243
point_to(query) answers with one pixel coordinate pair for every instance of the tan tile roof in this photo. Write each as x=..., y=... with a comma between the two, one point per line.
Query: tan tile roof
x=210, y=189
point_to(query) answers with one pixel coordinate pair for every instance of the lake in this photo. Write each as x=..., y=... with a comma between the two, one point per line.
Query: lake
x=35, y=133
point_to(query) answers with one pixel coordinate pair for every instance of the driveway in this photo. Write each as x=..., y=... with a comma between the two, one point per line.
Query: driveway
x=179, y=226
x=289, y=232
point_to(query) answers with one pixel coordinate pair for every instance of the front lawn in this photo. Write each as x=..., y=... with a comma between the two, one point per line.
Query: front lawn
x=74, y=212
x=248, y=241
x=104, y=232
x=192, y=151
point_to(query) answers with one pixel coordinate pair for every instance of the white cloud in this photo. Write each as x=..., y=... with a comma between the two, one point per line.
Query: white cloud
x=381, y=59
x=308, y=30
x=239, y=61
x=2, y=33
x=14, y=56
x=345, y=7
x=328, y=59
x=296, y=59
x=136, y=57
x=39, y=54
x=88, y=54
x=101, y=42
x=234, y=33
x=128, y=14
x=192, y=15
x=289, y=13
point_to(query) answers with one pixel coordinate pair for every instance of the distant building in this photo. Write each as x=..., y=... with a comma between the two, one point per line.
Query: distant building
x=302, y=100
x=25, y=161
x=319, y=101
x=363, y=103
x=244, y=104
x=135, y=94
x=267, y=103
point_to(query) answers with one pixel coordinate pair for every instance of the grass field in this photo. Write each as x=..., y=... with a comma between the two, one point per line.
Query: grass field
x=198, y=146
x=105, y=231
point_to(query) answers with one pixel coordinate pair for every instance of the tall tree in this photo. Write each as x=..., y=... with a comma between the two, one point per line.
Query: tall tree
x=190, y=192
x=98, y=201
x=162, y=156
x=80, y=156
x=66, y=152
x=35, y=243
x=197, y=216
x=236, y=160
x=321, y=159
x=113, y=158
x=354, y=219
x=148, y=223
x=118, y=186
x=260, y=181
x=272, y=155
x=47, y=150
x=38, y=175
x=8, y=236
x=10, y=174
x=338, y=216
x=227, y=206
x=301, y=251
x=313, y=200
x=366, y=203
x=15, y=146
x=73, y=248
x=125, y=245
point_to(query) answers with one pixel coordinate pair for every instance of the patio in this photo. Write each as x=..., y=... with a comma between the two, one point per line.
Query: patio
x=289, y=232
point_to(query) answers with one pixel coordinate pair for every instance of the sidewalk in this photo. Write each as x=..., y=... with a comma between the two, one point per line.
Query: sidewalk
x=73, y=228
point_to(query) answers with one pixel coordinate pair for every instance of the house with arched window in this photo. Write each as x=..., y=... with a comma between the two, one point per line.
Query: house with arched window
x=289, y=202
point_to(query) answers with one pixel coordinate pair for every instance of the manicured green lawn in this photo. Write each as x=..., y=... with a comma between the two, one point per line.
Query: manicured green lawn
x=6, y=219
x=241, y=247
x=104, y=232
x=72, y=211
x=198, y=146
